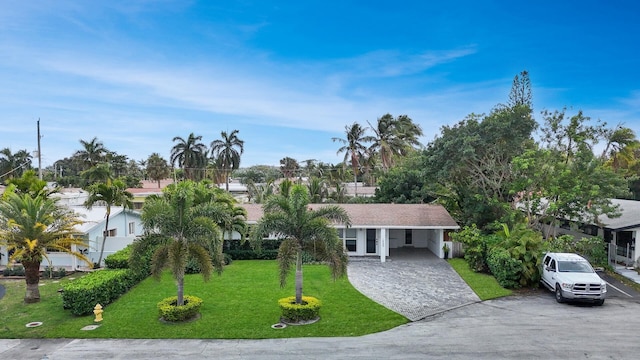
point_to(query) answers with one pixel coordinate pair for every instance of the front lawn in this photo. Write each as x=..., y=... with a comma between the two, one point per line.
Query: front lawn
x=484, y=285
x=239, y=304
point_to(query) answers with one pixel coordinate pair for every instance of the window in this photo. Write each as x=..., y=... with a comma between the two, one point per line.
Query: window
x=132, y=228
x=350, y=239
x=110, y=233
x=408, y=237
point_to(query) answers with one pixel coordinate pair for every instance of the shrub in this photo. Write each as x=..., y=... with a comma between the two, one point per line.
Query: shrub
x=475, y=247
x=142, y=250
x=169, y=311
x=13, y=271
x=119, y=259
x=292, y=312
x=504, y=268
x=52, y=273
x=99, y=287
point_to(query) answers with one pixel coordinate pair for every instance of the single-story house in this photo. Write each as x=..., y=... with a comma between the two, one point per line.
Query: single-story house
x=620, y=233
x=380, y=229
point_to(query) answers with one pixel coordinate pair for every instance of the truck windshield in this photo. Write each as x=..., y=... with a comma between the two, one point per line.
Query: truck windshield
x=574, y=266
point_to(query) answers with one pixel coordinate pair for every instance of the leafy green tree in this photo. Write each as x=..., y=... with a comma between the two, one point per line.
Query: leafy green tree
x=108, y=194
x=98, y=173
x=404, y=183
x=157, y=168
x=188, y=220
x=29, y=225
x=190, y=154
x=354, y=148
x=227, y=152
x=301, y=228
x=29, y=183
x=289, y=167
x=520, y=94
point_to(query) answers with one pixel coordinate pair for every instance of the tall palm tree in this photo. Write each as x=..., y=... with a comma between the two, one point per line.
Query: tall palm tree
x=190, y=154
x=189, y=223
x=354, y=148
x=14, y=164
x=394, y=137
x=29, y=225
x=157, y=168
x=301, y=228
x=227, y=152
x=110, y=194
x=92, y=152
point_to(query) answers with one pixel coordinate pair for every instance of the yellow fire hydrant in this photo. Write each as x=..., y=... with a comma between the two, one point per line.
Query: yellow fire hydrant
x=98, y=312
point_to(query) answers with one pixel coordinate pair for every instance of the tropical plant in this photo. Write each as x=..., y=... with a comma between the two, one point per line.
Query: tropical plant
x=157, y=168
x=191, y=156
x=288, y=217
x=14, y=164
x=188, y=222
x=394, y=137
x=92, y=153
x=289, y=167
x=227, y=152
x=108, y=194
x=354, y=148
x=98, y=173
x=29, y=225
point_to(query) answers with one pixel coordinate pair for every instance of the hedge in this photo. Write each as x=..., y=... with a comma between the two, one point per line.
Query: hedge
x=119, y=259
x=169, y=311
x=292, y=312
x=504, y=268
x=99, y=287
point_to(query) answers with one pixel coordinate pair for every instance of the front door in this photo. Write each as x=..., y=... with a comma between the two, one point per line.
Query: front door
x=371, y=241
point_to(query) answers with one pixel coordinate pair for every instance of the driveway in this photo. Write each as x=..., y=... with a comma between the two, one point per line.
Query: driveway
x=415, y=284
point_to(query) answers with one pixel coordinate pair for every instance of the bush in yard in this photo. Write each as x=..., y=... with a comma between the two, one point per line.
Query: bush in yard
x=504, y=268
x=99, y=287
x=292, y=312
x=119, y=259
x=13, y=271
x=142, y=250
x=169, y=311
x=475, y=247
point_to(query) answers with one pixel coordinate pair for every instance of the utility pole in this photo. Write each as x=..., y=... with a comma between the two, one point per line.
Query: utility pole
x=39, y=153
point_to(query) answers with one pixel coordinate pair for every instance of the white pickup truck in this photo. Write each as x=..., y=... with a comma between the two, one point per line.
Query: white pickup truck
x=572, y=278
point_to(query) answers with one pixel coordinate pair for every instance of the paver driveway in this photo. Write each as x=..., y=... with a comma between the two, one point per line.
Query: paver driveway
x=414, y=283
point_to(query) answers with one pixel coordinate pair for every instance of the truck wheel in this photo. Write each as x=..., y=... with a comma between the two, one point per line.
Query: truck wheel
x=559, y=297
x=599, y=302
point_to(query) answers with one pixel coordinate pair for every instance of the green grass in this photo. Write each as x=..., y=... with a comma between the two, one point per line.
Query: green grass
x=242, y=303
x=485, y=286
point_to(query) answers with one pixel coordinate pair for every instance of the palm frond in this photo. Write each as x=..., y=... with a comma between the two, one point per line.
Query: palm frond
x=287, y=258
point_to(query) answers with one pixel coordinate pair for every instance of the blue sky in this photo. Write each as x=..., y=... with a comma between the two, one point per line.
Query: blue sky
x=289, y=75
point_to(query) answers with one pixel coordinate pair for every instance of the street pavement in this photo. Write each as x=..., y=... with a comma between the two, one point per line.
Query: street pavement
x=518, y=327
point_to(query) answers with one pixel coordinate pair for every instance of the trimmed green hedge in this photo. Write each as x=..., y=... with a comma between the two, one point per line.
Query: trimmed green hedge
x=504, y=268
x=169, y=311
x=292, y=312
x=99, y=287
x=119, y=259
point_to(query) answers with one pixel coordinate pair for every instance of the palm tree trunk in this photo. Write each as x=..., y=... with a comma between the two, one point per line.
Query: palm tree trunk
x=299, y=278
x=180, y=284
x=32, y=277
x=104, y=236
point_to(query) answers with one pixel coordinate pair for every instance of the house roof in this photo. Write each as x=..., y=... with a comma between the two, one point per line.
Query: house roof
x=630, y=217
x=95, y=216
x=382, y=215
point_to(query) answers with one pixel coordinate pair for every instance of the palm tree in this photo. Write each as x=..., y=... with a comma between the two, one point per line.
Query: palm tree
x=157, y=168
x=14, y=165
x=354, y=148
x=227, y=153
x=290, y=218
x=189, y=223
x=190, y=155
x=110, y=194
x=99, y=173
x=92, y=153
x=394, y=137
x=29, y=225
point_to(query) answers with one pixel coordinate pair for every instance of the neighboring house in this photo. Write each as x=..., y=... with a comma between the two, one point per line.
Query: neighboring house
x=621, y=232
x=124, y=227
x=381, y=229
